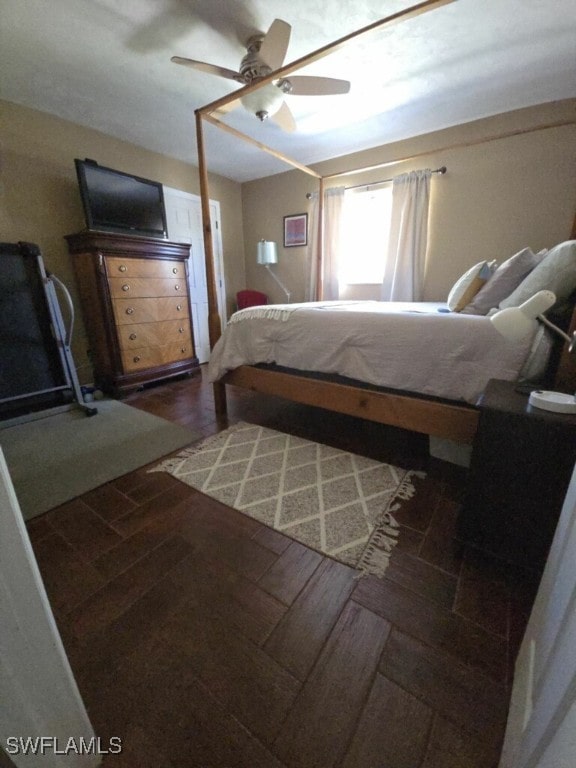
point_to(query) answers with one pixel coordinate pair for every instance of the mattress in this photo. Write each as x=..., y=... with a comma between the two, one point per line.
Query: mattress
x=420, y=348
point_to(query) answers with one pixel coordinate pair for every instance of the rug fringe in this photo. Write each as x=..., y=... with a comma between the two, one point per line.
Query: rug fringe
x=375, y=558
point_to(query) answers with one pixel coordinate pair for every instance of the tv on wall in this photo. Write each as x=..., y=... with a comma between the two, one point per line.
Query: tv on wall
x=120, y=202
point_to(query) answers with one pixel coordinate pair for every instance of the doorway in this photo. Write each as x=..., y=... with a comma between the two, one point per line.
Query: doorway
x=184, y=219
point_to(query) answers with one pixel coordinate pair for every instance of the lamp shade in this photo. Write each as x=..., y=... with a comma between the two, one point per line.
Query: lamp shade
x=267, y=252
x=264, y=101
x=514, y=323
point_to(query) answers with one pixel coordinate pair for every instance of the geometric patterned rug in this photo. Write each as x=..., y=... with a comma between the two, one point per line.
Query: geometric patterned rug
x=330, y=500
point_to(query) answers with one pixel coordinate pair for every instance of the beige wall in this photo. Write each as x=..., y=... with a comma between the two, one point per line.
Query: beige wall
x=497, y=197
x=40, y=202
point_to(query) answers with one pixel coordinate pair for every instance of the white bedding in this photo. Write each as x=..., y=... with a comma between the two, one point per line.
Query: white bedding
x=410, y=347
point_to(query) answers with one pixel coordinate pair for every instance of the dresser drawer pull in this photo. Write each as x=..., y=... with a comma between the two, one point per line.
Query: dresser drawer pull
x=183, y=349
x=176, y=287
x=180, y=330
x=179, y=307
x=132, y=336
x=136, y=358
x=122, y=268
x=175, y=270
x=130, y=311
x=125, y=288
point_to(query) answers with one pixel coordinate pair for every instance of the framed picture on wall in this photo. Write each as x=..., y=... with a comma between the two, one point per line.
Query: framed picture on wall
x=295, y=230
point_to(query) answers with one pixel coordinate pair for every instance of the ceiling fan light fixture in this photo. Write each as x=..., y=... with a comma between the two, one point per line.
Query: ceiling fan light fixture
x=264, y=102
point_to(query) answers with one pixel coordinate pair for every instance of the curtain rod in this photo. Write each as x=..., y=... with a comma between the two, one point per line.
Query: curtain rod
x=441, y=171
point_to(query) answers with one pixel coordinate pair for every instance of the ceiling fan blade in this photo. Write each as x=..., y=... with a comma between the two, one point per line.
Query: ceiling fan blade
x=284, y=118
x=275, y=44
x=318, y=86
x=212, y=69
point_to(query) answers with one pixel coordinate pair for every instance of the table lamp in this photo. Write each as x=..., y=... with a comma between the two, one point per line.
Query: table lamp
x=514, y=323
x=267, y=254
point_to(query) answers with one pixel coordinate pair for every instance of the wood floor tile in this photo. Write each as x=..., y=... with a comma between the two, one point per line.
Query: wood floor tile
x=68, y=579
x=440, y=546
x=271, y=539
x=226, y=595
x=109, y=502
x=131, y=481
x=438, y=627
x=83, y=529
x=143, y=541
x=156, y=483
x=117, y=596
x=148, y=511
x=220, y=533
x=451, y=747
x=38, y=528
x=483, y=595
x=322, y=720
x=286, y=578
x=417, y=512
x=299, y=637
x=203, y=733
x=138, y=748
x=462, y=696
x=241, y=676
x=413, y=573
x=382, y=737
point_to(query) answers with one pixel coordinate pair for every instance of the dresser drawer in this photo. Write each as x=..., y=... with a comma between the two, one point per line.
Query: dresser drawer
x=117, y=266
x=121, y=287
x=154, y=334
x=134, y=311
x=150, y=357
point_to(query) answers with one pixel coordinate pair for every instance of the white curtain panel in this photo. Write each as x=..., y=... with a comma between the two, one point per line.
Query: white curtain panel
x=312, y=284
x=333, y=203
x=404, y=269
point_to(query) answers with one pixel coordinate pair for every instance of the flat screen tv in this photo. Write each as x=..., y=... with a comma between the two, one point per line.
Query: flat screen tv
x=119, y=202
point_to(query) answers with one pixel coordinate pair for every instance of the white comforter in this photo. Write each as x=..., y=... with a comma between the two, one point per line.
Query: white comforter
x=410, y=347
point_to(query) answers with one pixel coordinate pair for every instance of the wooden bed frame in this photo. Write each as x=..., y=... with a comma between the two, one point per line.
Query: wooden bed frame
x=452, y=420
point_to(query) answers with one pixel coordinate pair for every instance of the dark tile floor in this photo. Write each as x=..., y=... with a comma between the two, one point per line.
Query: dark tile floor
x=204, y=639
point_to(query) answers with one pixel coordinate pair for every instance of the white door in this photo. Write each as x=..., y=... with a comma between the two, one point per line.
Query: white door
x=184, y=218
x=541, y=731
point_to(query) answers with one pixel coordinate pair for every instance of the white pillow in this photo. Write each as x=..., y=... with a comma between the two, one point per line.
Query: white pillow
x=467, y=286
x=505, y=279
x=556, y=272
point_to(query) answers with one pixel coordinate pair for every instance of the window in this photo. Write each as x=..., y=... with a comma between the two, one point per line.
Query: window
x=365, y=232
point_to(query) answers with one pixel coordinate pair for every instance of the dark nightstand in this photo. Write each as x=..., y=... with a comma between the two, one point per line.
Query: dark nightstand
x=522, y=461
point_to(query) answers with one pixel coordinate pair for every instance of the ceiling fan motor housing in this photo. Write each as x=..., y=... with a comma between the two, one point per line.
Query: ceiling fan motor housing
x=252, y=67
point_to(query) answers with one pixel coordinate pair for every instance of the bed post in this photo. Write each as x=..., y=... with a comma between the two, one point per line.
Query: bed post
x=214, y=320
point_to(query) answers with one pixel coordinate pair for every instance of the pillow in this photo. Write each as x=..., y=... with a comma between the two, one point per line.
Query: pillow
x=556, y=272
x=467, y=286
x=505, y=279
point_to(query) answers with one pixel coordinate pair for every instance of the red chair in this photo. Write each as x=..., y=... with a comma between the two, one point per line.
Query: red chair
x=249, y=298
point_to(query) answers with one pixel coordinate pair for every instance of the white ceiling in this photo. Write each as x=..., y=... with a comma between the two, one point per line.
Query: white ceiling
x=106, y=64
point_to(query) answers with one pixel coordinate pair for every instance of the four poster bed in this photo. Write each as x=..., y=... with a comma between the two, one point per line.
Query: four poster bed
x=344, y=366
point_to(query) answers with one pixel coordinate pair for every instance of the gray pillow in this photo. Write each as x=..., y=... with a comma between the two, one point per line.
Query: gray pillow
x=505, y=279
x=556, y=272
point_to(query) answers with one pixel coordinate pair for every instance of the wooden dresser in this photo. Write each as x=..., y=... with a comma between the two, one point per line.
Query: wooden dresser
x=136, y=307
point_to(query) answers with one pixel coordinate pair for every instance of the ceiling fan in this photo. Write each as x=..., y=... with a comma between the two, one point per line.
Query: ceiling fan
x=265, y=54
